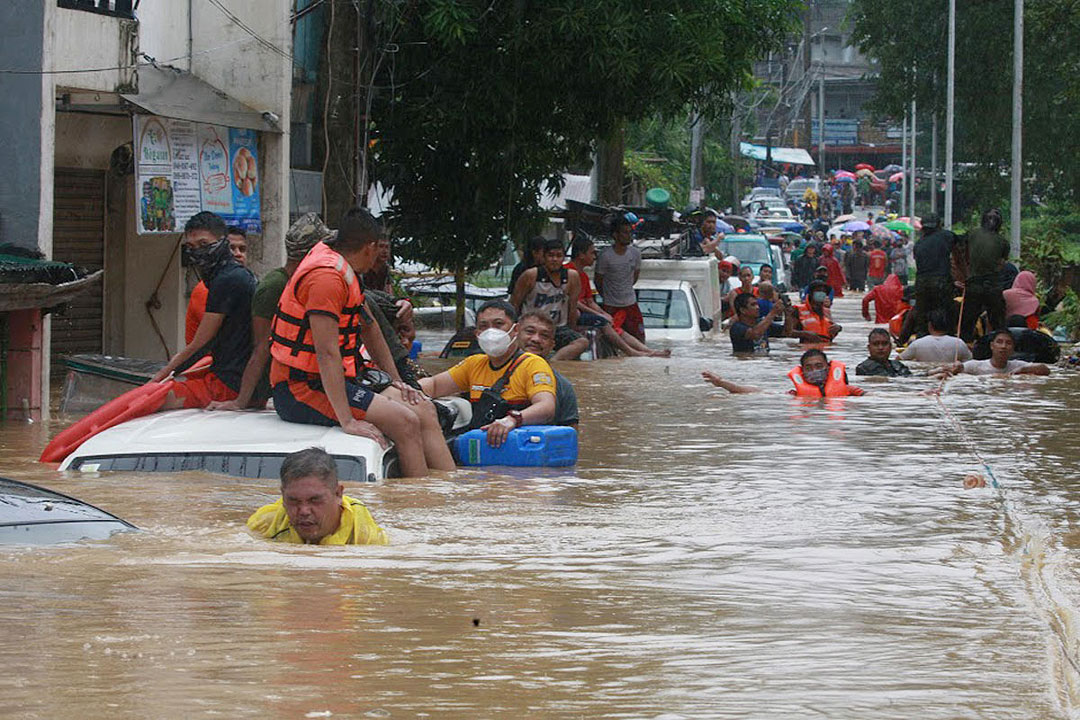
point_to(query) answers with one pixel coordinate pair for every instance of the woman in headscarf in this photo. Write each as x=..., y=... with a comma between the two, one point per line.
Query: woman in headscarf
x=1021, y=300
x=836, y=273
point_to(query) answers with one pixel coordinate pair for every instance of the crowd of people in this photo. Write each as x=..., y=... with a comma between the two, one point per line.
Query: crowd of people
x=329, y=336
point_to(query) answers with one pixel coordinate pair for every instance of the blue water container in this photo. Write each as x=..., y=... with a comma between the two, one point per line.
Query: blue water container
x=529, y=446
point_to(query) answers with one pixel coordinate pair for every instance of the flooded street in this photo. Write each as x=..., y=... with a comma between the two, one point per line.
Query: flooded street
x=711, y=556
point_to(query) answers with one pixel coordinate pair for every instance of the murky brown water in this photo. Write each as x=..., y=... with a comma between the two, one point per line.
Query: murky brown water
x=711, y=556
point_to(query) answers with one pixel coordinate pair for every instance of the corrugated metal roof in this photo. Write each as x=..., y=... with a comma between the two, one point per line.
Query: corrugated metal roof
x=178, y=94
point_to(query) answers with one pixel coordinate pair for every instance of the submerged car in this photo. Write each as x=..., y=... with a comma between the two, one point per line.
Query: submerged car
x=32, y=515
x=240, y=444
x=671, y=310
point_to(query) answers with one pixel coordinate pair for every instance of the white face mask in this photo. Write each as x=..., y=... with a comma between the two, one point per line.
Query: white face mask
x=494, y=342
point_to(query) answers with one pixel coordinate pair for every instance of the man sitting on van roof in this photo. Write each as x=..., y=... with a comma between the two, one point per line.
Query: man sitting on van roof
x=313, y=508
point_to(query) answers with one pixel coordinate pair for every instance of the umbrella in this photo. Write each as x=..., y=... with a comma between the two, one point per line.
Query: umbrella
x=897, y=177
x=843, y=219
x=893, y=168
x=794, y=227
x=914, y=222
x=865, y=172
x=843, y=175
x=865, y=166
x=899, y=225
x=881, y=232
x=724, y=227
x=849, y=178
x=855, y=226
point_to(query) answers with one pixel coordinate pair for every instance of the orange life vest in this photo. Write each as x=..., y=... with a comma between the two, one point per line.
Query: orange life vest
x=896, y=323
x=195, y=310
x=835, y=386
x=812, y=322
x=290, y=332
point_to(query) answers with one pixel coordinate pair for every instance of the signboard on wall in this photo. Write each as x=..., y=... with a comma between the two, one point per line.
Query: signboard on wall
x=839, y=131
x=182, y=168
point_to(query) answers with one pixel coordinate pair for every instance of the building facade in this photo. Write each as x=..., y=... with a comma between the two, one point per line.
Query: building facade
x=90, y=84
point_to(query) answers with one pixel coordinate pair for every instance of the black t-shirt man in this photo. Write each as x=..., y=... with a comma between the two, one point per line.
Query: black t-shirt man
x=230, y=293
x=741, y=343
x=933, y=254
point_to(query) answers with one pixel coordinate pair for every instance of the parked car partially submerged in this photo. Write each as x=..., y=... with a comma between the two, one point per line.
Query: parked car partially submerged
x=32, y=515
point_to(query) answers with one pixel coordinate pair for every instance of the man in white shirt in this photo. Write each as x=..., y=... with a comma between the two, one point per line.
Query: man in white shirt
x=1001, y=349
x=938, y=346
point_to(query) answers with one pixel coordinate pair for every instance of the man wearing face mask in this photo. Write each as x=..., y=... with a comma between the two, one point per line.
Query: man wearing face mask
x=225, y=329
x=814, y=316
x=508, y=388
x=815, y=377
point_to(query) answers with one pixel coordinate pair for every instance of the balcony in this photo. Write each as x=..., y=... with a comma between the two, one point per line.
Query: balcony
x=114, y=8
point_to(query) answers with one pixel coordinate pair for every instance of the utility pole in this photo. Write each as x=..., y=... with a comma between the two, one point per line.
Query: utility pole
x=914, y=135
x=821, y=118
x=806, y=73
x=1017, y=126
x=697, y=132
x=933, y=162
x=903, y=168
x=950, y=116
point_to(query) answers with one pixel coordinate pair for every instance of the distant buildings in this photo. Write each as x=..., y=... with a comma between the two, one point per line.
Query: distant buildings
x=790, y=117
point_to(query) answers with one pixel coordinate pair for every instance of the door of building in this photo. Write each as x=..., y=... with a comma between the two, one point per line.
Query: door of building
x=79, y=238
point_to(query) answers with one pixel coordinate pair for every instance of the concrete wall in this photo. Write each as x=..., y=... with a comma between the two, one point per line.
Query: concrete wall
x=229, y=58
x=163, y=31
x=87, y=141
x=21, y=46
x=84, y=40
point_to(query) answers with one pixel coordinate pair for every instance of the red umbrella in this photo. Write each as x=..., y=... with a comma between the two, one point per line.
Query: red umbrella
x=843, y=175
x=898, y=177
x=865, y=166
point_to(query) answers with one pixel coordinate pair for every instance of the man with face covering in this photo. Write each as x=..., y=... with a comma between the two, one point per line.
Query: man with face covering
x=255, y=385
x=507, y=387
x=814, y=316
x=224, y=333
x=816, y=376
x=225, y=329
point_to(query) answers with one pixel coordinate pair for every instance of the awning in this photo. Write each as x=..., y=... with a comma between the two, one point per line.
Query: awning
x=790, y=156
x=181, y=95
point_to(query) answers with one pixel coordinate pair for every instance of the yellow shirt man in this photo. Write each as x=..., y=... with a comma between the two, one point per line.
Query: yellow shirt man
x=357, y=526
x=531, y=375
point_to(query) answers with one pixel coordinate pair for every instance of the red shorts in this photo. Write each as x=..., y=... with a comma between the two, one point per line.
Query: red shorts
x=201, y=389
x=627, y=319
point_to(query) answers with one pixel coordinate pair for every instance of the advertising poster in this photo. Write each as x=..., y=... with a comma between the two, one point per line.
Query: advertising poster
x=244, y=149
x=182, y=168
x=154, y=176
x=214, y=170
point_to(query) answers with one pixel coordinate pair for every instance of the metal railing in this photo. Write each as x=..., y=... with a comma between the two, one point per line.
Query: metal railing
x=115, y=8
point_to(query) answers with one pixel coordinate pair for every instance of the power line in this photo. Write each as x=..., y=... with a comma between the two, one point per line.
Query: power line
x=243, y=26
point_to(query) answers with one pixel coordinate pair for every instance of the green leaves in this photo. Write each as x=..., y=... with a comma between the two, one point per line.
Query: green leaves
x=494, y=99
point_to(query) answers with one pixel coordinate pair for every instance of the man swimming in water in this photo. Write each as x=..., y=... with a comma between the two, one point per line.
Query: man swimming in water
x=816, y=376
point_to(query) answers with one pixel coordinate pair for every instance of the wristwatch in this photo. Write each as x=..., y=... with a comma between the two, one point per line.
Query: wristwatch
x=515, y=415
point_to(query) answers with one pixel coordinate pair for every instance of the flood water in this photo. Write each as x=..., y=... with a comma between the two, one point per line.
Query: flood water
x=711, y=556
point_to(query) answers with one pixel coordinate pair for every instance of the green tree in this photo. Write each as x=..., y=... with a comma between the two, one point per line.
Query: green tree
x=909, y=41
x=487, y=103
